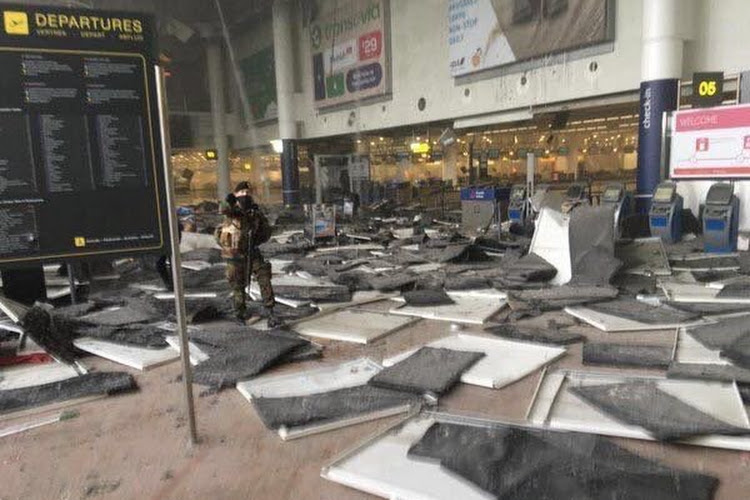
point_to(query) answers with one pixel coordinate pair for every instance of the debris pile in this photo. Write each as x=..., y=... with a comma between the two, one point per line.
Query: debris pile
x=523, y=304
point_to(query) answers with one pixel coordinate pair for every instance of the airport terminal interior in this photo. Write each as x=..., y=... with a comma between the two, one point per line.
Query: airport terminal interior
x=361, y=249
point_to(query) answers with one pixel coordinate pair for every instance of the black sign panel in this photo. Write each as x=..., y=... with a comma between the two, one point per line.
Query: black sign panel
x=708, y=89
x=81, y=169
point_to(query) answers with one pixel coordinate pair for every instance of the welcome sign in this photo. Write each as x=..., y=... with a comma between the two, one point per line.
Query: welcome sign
x=711, y=143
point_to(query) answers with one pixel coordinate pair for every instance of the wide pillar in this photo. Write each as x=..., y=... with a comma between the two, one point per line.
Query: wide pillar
x=283, y=47
x=451, y=156
x=665, y=27
x=215, y=68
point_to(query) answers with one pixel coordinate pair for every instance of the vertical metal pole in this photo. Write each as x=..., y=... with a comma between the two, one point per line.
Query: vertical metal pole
x=472, y=173
x=318, y=186
x=530, y=173
x=72, y=283
x=179, y=292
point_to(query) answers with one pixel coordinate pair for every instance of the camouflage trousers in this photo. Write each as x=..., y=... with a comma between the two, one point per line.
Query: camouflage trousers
x=237, y=275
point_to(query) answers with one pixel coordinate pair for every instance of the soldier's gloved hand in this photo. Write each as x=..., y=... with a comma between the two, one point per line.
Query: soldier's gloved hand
x=231, y=199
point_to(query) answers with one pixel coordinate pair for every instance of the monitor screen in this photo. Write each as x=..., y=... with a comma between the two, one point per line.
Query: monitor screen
x=664, y=194
x=574, y=192
x=518, y=193
x=720, y=194
x=612, y=194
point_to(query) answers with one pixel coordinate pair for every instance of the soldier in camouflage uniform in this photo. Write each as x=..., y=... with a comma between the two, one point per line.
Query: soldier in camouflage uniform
x=244, y=228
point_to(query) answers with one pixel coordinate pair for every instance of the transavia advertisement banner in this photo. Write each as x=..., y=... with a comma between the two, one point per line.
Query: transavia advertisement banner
x=484, y=34
x=349, y=49
x=259, y=79
x=712, y=142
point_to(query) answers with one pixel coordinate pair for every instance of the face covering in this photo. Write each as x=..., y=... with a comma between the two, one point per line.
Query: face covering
x=245, y=202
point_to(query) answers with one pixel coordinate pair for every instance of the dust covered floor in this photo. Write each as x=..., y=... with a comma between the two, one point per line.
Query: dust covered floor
x=135, y=445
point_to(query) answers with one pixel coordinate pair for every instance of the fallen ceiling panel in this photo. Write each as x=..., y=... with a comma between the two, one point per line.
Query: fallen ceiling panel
x=644, y=256
x=610, y=323
x=299, y=416
x=550, y=242
x=302, y=289
x=17, y=377
x=698, y=292
x=197, y=355
x=242, y=355
x=591, y=239
x=689, y=350
x=117, y=316
x=254, y=294
x=135, y=357
x=474, y=309
x=313, y=381
x=360, y=297
x=645, y=356
x=381, y=467
x=558, y=408
x=724, y=373
x=196, y=265
x=90, y=384
x=515, y=463
x=722, y=332
x=352, y=325
x=428, y=370
x=666, y=417
x=505, y=361
x=643, y=312
x=550, y=335
x=705, y=262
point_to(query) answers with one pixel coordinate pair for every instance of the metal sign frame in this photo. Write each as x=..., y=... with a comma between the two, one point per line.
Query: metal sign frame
x=135, y=37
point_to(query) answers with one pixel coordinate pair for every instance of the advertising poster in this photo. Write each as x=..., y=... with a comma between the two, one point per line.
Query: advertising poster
x=485, y=34
x=712, y=142
x=259, y=78
x=349, y=49
x=81, y=168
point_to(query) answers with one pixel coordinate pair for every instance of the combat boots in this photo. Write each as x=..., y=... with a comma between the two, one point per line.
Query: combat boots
x=271, y=318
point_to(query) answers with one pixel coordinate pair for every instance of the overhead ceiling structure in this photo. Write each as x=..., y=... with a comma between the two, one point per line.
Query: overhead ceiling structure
x=183, y=26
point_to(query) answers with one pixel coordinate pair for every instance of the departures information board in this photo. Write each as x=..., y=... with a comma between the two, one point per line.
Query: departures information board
x=81, y=168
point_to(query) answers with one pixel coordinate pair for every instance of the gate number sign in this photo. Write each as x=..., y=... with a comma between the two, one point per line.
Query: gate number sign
x=708, y=89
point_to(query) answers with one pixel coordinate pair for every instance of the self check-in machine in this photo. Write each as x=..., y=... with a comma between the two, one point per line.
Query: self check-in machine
x=721, y=219
x=518, y=207
x=481, y=206
x=579, y=193
x=665, y=215
x=616, y=196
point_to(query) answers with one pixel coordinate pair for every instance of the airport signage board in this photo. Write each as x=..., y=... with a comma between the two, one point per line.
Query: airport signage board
x=708, y=89
x=259, y=79
x=81, y=168
x=349, y=46
x=484, y=34
x=710, y=143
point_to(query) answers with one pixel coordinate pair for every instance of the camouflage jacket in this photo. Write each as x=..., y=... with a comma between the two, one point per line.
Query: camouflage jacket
x=244, y=226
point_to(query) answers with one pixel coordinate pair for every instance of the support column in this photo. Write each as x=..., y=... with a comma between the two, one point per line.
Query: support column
x=283, y=47
x=665, y=24
x=215, y=70
x=451, y=156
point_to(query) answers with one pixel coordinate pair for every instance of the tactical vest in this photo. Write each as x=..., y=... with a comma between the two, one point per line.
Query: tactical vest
x=230, y=238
